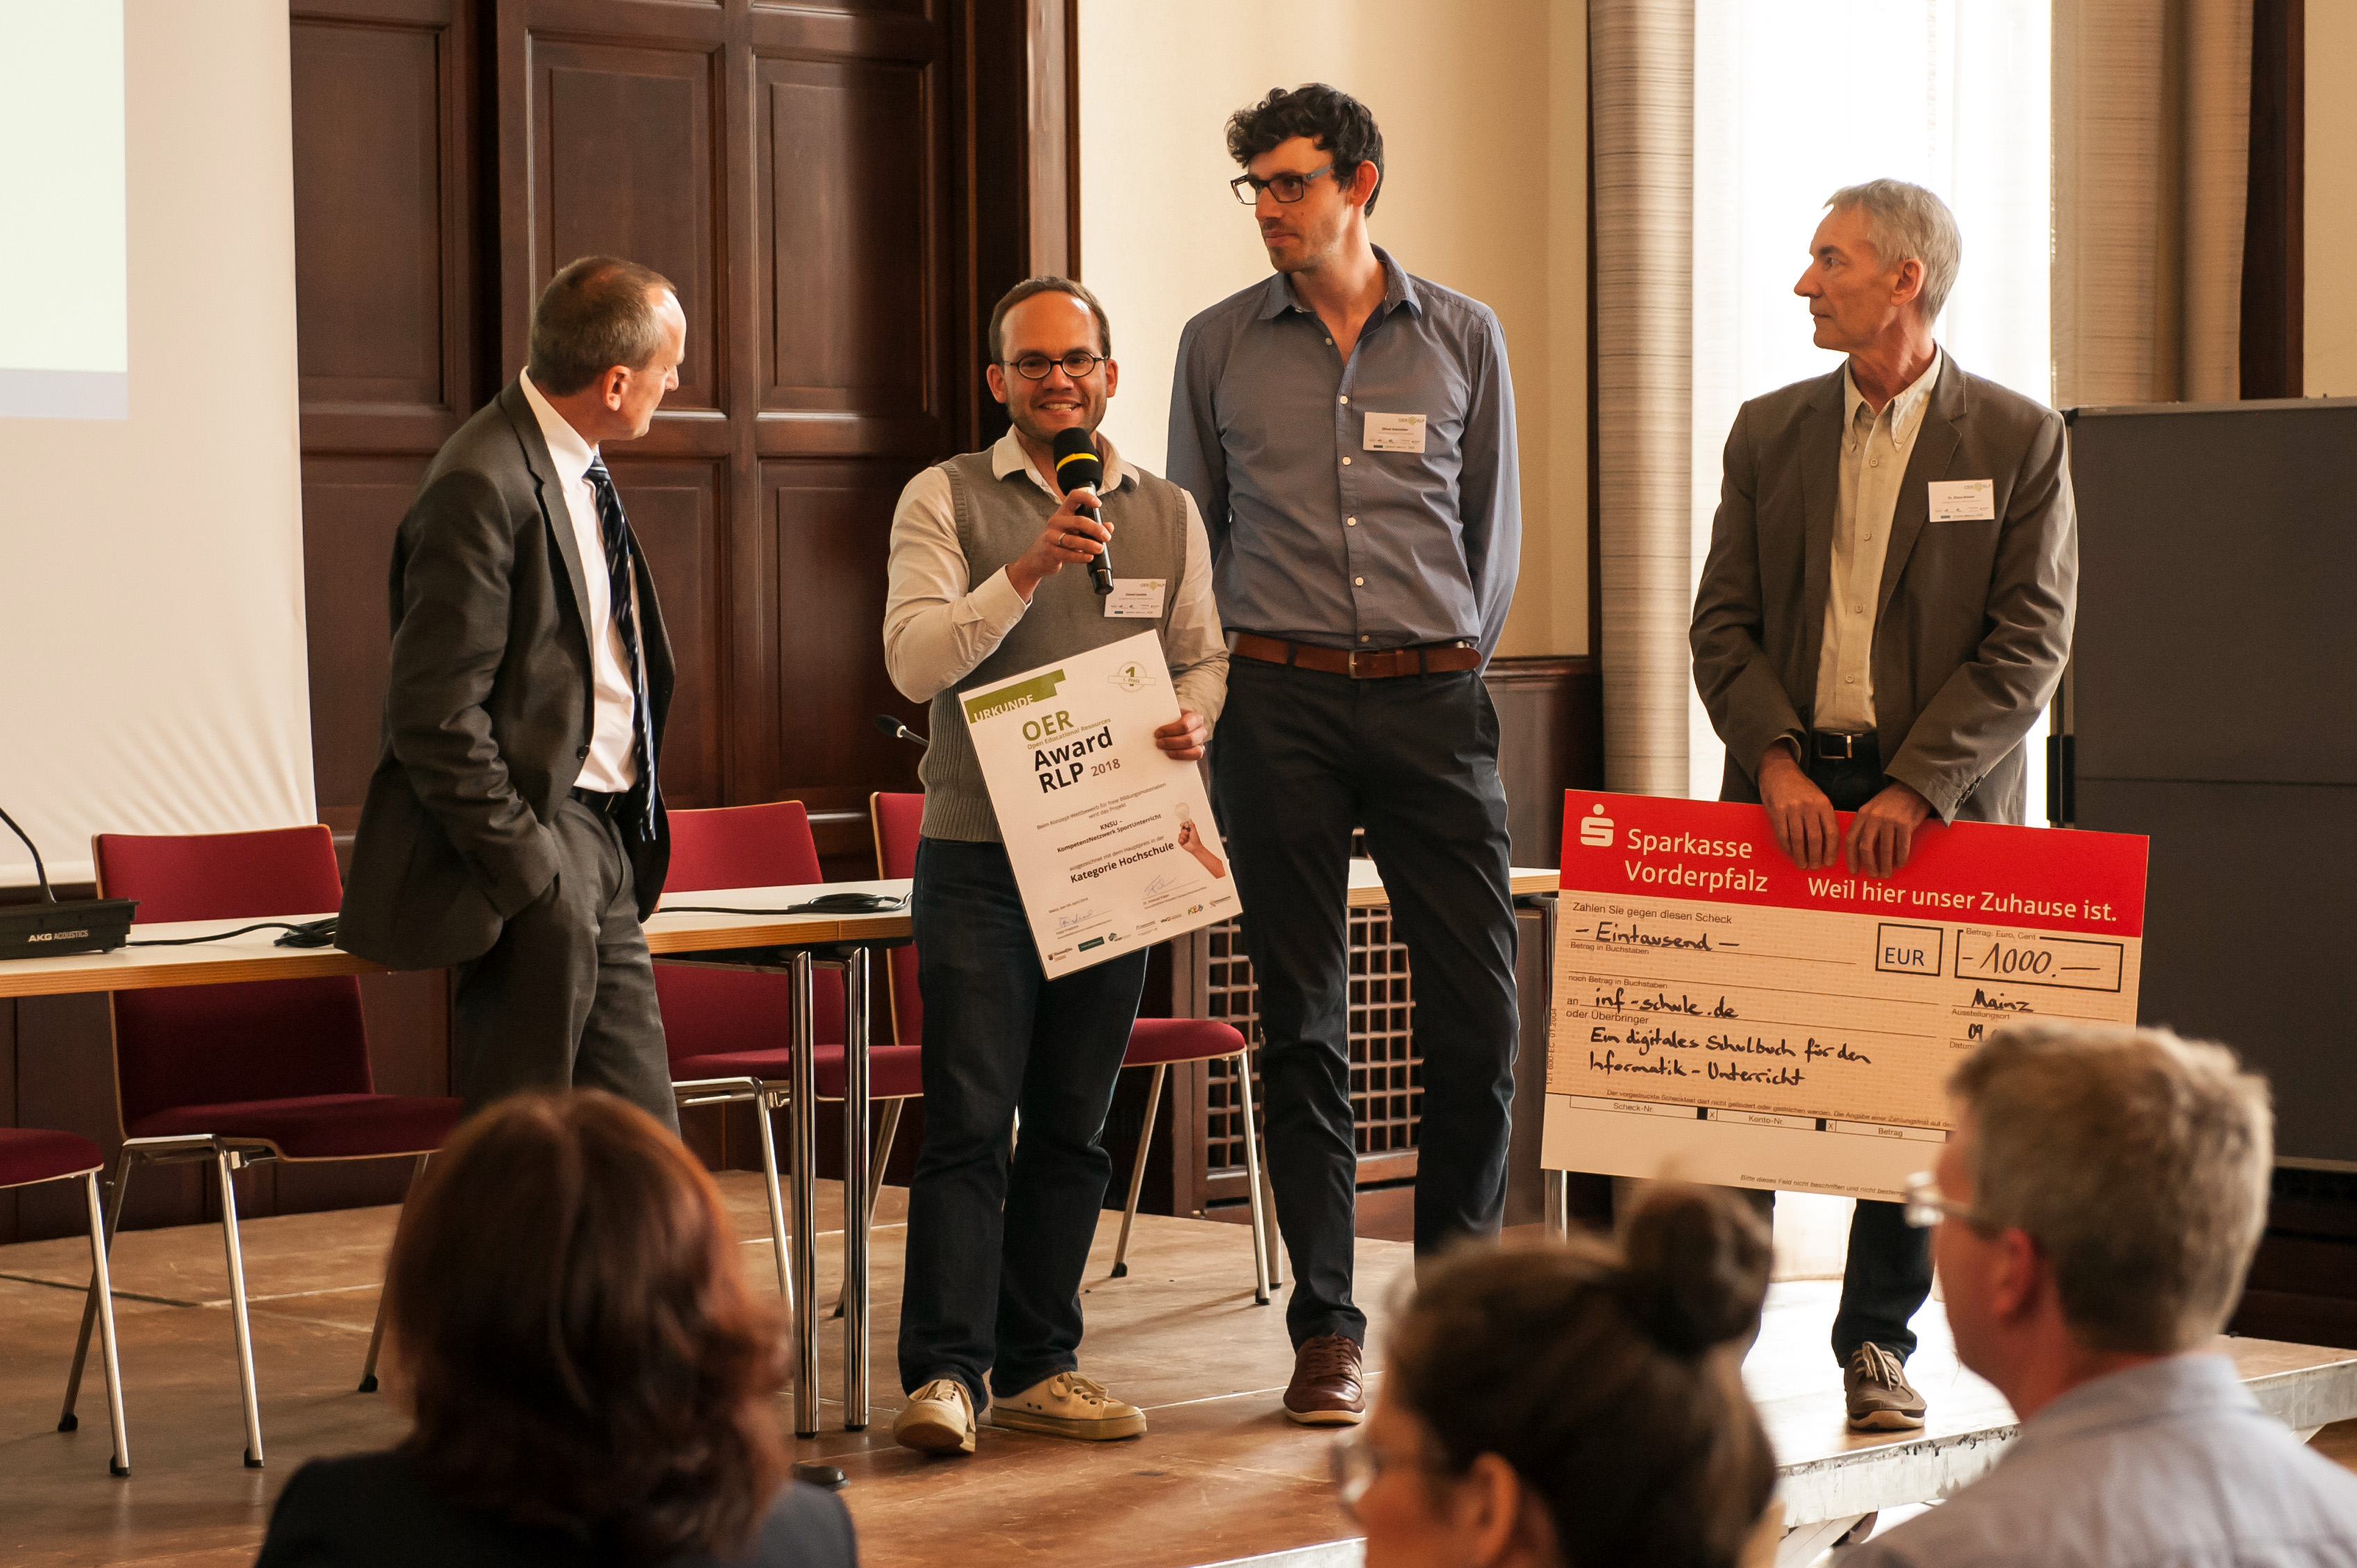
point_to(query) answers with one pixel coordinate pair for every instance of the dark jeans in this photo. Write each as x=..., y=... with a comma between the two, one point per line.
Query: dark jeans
x=1888, y=1276
x=995, y=1254
x=566, y=998
x=1301, y=758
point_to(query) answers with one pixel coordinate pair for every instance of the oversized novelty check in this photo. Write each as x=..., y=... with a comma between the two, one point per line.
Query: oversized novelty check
x=1111, y=839
x=1721, y=1015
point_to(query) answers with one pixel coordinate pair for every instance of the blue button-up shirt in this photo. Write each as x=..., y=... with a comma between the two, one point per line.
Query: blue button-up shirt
x=1316, y=538
x=2169, y=1465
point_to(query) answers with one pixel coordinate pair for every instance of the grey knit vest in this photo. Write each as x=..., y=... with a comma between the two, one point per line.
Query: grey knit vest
x=996, y=521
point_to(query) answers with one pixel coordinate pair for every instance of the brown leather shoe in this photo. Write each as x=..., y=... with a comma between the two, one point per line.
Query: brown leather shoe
x=1326, y=1391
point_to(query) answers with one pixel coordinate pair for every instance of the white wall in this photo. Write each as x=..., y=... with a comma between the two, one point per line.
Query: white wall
x=2331, y=351
x=1484, y=123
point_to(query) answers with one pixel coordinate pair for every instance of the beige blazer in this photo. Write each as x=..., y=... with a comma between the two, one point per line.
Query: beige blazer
x=1973, y=621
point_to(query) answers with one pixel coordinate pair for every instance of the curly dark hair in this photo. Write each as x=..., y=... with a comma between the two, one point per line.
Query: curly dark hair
x=564, y=1301
x=1609, y=1378
x=1330, y=117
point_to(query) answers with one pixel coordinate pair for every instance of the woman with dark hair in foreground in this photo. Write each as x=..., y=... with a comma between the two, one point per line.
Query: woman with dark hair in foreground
x=1574, y=1407
x=590, y=1379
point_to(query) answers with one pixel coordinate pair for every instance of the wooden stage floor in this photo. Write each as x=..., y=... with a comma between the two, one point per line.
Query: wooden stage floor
x=1218, y=1475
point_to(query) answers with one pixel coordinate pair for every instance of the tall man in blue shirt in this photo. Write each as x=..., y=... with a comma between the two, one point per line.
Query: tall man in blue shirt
x=1347, y=433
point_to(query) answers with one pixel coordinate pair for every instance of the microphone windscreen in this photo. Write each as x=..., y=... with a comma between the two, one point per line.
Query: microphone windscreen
x=1077, y=462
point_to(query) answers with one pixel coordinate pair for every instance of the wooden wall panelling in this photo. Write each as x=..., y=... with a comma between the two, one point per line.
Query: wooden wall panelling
x=352, y=506
x=1550, y=739
x=830, y=521
x=386, y=138
x=856, y=257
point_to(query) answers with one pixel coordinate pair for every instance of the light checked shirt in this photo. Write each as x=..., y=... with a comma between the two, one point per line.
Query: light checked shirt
x=1875, y=450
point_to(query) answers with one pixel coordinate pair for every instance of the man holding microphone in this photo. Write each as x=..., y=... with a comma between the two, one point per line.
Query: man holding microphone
x=980, y=589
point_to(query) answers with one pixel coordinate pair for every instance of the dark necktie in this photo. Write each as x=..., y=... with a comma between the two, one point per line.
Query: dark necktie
x=615, y=529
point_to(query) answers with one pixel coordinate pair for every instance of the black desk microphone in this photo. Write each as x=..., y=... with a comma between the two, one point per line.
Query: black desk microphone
x=1078, y=466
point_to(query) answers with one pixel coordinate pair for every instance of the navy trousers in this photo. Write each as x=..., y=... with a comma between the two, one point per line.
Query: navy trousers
x=1889, y=1275
x=996, y=1246
x=1301, y=758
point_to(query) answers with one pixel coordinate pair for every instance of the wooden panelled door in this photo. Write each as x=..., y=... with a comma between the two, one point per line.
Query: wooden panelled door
x=838, y=191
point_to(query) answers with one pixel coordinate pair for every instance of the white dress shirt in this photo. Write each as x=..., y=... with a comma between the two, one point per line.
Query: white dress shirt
x=1875, y=450
x=612, y=766
x=938, y=626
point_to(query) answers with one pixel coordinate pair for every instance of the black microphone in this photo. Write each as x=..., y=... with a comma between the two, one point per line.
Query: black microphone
x=898, y=731
x=1078, y=465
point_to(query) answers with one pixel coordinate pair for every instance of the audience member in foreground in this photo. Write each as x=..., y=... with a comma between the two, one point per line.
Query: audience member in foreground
x=1580, y=1405
x=2098, y=1205
x=590, y=1380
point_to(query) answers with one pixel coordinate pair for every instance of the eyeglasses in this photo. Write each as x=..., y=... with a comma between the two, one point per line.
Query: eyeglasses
x=1076, y=364
x=1286, y=188
x=1356, y=1464
x=1927, y=1206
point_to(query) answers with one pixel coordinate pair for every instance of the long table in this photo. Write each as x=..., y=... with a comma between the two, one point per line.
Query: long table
x=776, y=942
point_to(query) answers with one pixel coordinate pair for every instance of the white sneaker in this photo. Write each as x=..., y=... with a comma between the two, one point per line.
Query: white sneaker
x=938, y=1419
x=1068, y=1405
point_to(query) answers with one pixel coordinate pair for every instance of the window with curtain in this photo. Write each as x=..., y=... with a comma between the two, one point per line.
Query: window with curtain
x=1795, y=99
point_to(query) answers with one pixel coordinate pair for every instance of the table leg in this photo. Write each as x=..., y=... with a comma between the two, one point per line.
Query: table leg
x=856, y=997
x=802, y=1140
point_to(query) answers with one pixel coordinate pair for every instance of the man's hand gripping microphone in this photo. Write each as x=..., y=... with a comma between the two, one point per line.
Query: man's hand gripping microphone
x=1078, y=466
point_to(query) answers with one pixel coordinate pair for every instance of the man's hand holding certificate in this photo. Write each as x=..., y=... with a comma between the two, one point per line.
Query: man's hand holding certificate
x=1724, y=1015
x=1106, y=823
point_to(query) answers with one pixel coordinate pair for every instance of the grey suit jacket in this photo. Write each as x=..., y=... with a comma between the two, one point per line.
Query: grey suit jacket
x=1973, y=621
x=488, y=713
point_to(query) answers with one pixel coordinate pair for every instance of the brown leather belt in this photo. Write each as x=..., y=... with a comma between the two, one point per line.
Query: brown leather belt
x=1370, y=664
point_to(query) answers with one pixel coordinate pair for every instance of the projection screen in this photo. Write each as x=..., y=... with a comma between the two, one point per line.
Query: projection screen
x=151, y=586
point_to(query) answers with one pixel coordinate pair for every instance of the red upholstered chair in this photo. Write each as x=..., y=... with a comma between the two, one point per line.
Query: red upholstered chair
x=1155, y=1043
x=727, y=1029
x=273, y=1069
x=28, y=1155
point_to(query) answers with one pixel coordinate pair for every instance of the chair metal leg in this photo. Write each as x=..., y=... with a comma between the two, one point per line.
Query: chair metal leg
x=245, y=1330
x=855, y=1151
x=1137, y=1172
x=67, y=1420
x=777, y=1202
x=885, y=1137
x=801, y=1107
x=1275, y=1231
x=1264, y=1255
x=121, y=1463
x=376, y=1330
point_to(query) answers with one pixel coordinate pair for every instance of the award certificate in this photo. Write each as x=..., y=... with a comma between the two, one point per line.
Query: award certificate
x=1721, y=1015
x=1110, y=838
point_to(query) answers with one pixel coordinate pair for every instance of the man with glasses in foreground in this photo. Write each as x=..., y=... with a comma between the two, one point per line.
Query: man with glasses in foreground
x=1348, y=431
x=2097, y=1207
x=979, y=591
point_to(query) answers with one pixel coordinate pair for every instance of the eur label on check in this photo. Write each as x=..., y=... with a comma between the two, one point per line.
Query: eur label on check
x=1721, y=1015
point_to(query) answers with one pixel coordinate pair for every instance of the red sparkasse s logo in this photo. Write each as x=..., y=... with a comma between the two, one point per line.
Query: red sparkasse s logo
x=1596, y=830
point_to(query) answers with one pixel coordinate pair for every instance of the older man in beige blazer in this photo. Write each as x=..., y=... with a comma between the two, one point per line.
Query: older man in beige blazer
x=1885, y=611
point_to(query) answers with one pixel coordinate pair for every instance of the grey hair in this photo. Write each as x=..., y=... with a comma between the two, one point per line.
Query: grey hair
x=1904, y=220
x=2138, y=1162
x=597, y=313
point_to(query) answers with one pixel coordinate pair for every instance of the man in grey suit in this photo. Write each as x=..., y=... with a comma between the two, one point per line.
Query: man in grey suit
x=514, y=830
x=1885, y=611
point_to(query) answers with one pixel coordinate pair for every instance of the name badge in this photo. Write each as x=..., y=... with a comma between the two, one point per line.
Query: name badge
x=1395, y=433
x=1964, y=500
x=1135, y=598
